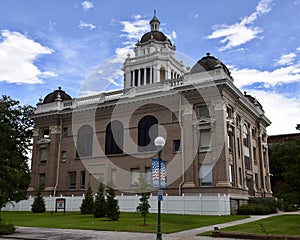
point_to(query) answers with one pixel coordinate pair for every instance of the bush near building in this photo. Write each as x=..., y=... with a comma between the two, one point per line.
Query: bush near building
x=87, y=205
x=260, y=206
x=38, y=205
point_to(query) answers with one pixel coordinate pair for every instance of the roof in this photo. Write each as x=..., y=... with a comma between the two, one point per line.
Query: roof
x=154, y=35
x=57, y=95
x=208, y=63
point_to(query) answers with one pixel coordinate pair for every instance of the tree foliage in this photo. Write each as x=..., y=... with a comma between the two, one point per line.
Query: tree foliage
x=298, y=127
x=112, y=205
x=143, y=190
x=87, y=205
x=15, y=140
x=38, y=205
x=285, y=167
x=100, y=203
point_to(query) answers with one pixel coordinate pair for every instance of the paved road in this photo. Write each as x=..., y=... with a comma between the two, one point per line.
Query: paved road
x=73, y=234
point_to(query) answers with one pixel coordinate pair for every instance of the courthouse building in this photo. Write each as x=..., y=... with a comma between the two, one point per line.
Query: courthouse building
x=216, y=139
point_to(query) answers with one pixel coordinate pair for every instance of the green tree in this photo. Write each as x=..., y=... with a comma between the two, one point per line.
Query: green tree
x=144, y=191
x=112, y=205
x=87, y=205
x=100, y=203
x=298, y=127
x=38, y=205
x=285, y=167
x=15, y=141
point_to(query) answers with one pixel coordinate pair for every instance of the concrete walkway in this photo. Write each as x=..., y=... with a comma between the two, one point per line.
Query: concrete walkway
x=74, y=234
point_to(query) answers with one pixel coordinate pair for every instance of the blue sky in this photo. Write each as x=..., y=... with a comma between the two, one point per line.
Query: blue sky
x=46, y=44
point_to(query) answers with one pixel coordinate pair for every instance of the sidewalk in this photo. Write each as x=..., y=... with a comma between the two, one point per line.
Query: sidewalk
x=74, y=234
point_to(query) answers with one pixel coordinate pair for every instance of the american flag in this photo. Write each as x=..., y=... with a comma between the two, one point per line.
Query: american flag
x=155, y=173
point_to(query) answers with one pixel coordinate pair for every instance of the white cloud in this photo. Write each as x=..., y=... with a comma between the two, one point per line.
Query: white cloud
x=17, y=56
x=134, y=29
x=86, y=25
x=286, y=59
x=282, y=111
x=246, y=76
x=241, y=32
x=87, y=5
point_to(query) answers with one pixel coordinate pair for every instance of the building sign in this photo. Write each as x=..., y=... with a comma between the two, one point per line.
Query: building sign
x=60, y=203
x=155, y=173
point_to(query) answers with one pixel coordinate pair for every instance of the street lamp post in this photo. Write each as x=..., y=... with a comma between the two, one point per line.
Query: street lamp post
x=159, y=143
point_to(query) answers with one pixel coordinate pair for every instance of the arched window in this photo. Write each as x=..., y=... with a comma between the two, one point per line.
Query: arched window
x=85, y=141
x=114, y=138
x=147, y=132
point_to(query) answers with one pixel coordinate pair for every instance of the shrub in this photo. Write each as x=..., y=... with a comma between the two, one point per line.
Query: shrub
x=254, y=209
x=87, y=205
x=6, y=229
x=38, y=205
x=100, y=204
x=112, y=205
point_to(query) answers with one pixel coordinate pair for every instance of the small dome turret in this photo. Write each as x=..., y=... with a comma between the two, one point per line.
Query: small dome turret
x=57, y=95
x=209, y=63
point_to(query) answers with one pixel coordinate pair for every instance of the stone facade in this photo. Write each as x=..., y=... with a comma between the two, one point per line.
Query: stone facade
x=216, y=140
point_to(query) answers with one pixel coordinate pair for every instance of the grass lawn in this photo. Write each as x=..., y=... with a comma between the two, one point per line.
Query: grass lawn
x=129, y=222
x=283, y=224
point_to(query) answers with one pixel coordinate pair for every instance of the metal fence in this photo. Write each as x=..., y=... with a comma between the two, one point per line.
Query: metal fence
x=196, y=204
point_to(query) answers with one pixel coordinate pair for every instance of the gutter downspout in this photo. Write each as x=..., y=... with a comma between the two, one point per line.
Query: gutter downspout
x=58, y=158
x=182, y=148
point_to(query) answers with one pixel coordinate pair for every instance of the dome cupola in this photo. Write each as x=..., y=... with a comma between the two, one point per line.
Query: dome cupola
x=208, y=63
x=57, y=95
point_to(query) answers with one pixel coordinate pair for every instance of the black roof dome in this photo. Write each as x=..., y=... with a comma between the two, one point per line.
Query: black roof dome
x=208, y=63
x=154, y=35
x=57, y=95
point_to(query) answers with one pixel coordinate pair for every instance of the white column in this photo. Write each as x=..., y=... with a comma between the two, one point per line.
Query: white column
x=145, y=76
x=151, y=69
x=139, y=77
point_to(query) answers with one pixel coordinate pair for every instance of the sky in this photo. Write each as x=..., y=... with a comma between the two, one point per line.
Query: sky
x=75, y=44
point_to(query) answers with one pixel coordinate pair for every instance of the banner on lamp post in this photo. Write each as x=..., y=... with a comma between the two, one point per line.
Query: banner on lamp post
x=155, y=173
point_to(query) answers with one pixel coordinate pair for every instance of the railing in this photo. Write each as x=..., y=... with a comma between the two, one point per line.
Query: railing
x=166, y=85
x=197, y=204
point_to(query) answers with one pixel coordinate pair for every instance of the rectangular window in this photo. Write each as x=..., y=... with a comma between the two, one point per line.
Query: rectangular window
x=205, y=139
x=175, y=116
x=149, y=175
x=253, y=132
x=239, y=147
x=65, y=131
x=45, y=133
x=240, y=175
x=176, y=145
x=135, y=174
x=238, y=121
x=43, y=155
x=202, y=112
x=247, y=163
x=206, y=175
x=256, y=182
x=254, y=156
x=231, y=176
x=72, y=180
x=230, y=142
x=42, y=180
x=82, y=179
x=250, y=186
x=229, y=113
x=63, y=156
